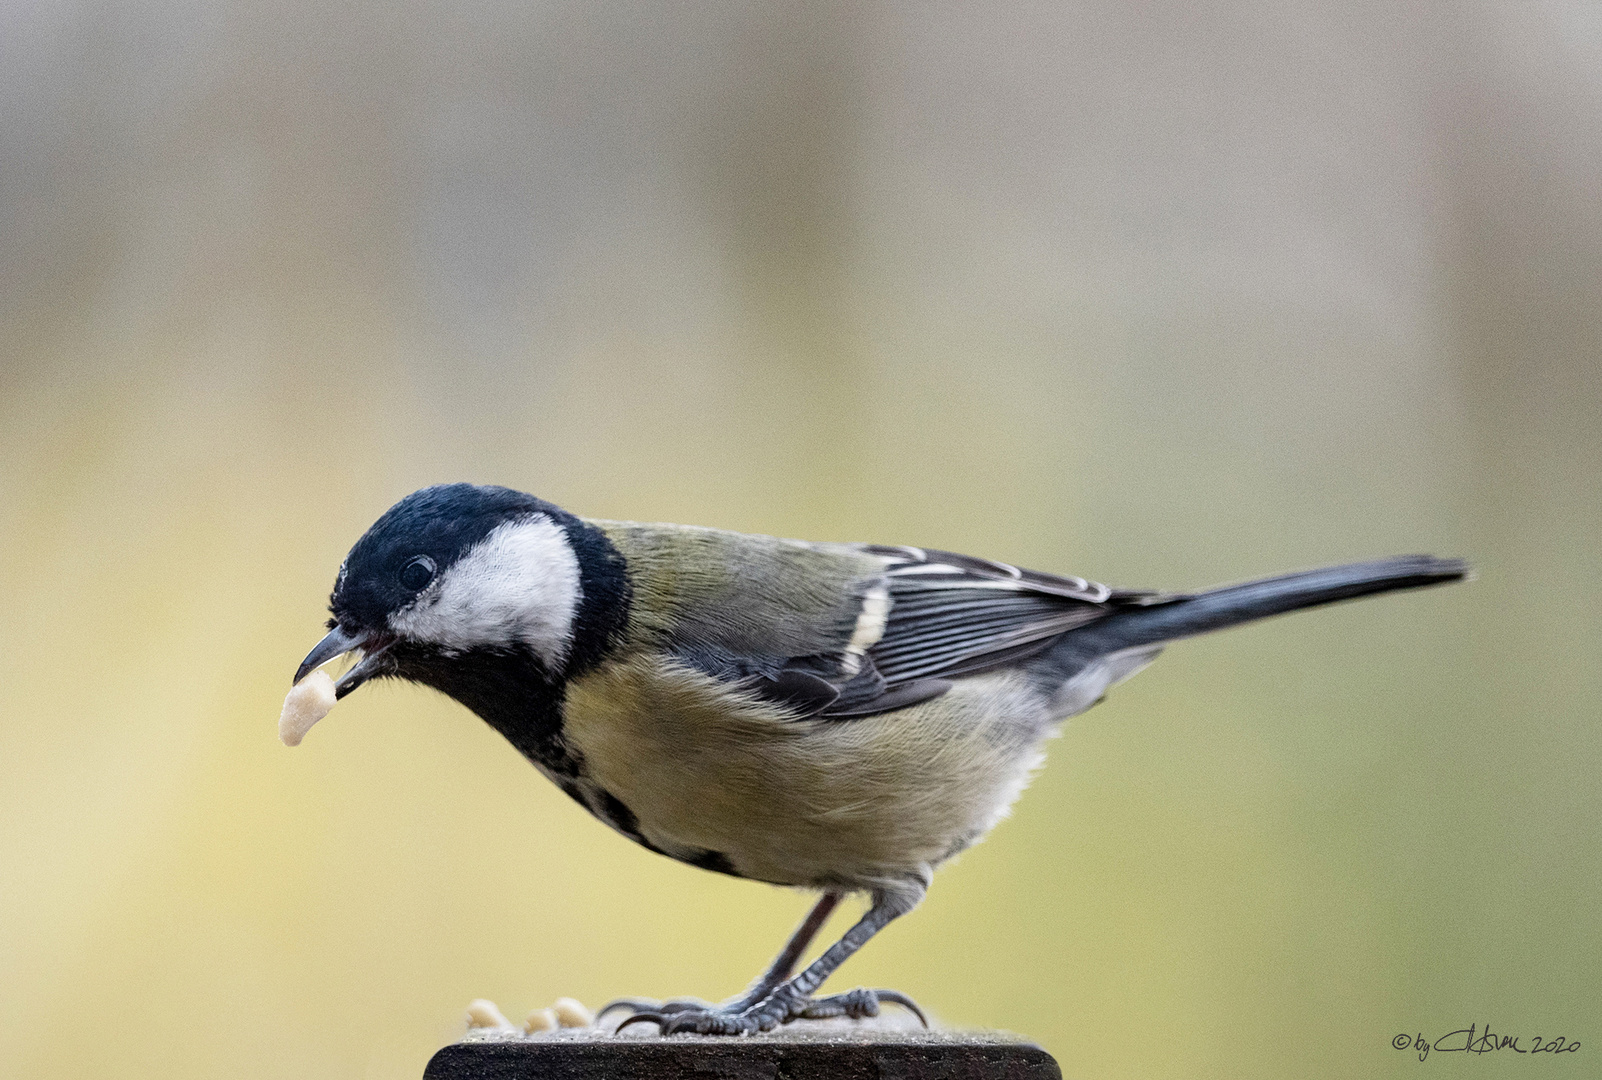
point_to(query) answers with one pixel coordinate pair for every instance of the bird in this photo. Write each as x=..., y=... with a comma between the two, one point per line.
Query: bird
x=836, y=717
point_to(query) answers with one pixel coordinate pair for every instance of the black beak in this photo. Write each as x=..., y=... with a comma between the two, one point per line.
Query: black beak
x=341, y=641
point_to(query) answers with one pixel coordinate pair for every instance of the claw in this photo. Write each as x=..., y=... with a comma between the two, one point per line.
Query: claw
x=704, y=1020
x=896, y=997
x=632, y=1004
x=641, y=1005
x=696, y=1023
x=659, y=1019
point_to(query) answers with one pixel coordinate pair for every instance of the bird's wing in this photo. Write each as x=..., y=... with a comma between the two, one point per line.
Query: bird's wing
x=949, y=615
x=861, y=629
x=928, y=617
x=954, y=614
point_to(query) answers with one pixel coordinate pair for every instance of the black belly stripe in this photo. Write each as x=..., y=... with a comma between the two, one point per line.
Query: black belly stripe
x=617, y=815
x=612, y=810
x=571, y=789
x=715, y=861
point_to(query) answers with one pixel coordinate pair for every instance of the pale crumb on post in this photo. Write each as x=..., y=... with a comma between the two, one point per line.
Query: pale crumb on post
x=308, y=701
x=571, y=1013
x=541, y=1020
x=482, y=1013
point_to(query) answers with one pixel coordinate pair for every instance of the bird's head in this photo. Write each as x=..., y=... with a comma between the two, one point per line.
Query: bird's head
x=461, y=570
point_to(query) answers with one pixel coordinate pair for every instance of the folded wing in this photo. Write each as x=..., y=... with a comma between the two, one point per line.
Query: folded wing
x=938, y=616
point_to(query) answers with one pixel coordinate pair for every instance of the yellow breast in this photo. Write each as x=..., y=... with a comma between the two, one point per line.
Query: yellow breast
x=804, y=802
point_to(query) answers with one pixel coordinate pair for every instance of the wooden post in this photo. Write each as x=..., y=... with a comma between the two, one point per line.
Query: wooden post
x=819, y=1051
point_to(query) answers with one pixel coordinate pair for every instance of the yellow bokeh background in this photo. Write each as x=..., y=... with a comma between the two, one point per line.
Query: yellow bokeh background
x=1163, y=295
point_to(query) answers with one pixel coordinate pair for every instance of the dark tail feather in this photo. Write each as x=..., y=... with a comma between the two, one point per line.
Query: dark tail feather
x=1217, y=608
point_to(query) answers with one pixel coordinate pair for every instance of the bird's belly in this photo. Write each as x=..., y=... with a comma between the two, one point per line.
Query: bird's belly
x=704, y=769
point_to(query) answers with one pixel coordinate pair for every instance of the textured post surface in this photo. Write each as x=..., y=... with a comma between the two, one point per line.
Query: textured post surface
x=833, y=1053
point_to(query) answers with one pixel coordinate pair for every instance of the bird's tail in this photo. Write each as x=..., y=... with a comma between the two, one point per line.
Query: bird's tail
x=1186, y=616
x=1085, y=662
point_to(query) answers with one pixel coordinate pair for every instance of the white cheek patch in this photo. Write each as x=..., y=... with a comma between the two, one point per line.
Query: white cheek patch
x=520, y=584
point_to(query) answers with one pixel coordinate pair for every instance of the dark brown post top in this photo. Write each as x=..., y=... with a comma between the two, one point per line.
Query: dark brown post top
x=833, y=1053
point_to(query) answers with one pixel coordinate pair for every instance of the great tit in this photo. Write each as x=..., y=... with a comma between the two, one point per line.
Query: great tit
x=837, y=717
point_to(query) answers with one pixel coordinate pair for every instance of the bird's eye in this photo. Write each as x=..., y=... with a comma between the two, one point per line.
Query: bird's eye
x=417, y=572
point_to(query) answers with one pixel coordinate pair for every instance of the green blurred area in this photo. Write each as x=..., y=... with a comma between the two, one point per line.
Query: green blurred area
x=1163, y=296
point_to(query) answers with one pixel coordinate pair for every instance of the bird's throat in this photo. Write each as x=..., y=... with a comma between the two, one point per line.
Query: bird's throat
x=509, y=689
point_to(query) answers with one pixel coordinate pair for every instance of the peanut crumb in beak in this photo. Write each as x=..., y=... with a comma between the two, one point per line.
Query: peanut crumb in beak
x=308, y=701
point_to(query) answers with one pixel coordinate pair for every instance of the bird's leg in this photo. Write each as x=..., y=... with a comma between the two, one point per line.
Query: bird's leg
x=784, y=964
x=781, y=968
x=792, y=1000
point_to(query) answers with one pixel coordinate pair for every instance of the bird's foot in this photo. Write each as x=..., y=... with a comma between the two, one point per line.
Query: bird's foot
x=860, y=1003
x=782, y=1006
x=646, y=1005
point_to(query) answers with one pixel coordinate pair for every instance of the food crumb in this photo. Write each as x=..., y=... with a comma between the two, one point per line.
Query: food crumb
x=571, y=1013
x=482, y=1013
x=541, y=1020
x=308, y=701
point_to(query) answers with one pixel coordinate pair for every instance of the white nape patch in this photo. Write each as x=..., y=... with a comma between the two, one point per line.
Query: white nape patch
x=871, y=621
x=520, y=584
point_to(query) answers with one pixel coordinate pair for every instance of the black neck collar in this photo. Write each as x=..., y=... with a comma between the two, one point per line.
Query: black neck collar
x=603, y=611
x=512, y=689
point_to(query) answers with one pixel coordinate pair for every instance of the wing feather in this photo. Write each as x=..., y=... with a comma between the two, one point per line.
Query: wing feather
x=959, y=615
x=866, y=629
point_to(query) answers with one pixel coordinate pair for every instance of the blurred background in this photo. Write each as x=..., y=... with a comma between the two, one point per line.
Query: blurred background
x=1164, y=294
